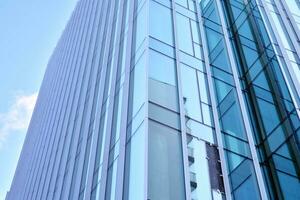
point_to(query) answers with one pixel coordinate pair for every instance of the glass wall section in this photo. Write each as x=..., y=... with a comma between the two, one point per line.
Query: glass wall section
x=134, y=176
x=165, y=162
x=134, y=180
x=289, y=47
x=196, y=102
x=113, y=150
x=135, y=145
x=188, y=36
x=273, y=116
x=197, y=107
x=239, y=161
x=162, y=81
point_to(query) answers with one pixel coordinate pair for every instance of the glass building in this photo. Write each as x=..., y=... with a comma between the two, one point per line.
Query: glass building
x=168, y=100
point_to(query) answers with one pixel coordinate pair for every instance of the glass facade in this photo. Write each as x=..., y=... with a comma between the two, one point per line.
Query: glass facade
x=168, y=99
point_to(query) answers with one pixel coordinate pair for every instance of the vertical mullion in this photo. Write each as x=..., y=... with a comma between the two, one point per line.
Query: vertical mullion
x=242, y=104
x=59, y=182
x=49, y=177
x=291, y=18
x=286, y=71
x=181, y=110
x=125, y=100
x=212, y=95
x=101, y=79
x=53, y=121
x=41, y=135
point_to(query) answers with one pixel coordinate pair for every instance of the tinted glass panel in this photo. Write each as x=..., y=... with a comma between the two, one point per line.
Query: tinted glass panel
x=165, y=164
x=190, y=92
x=161, y=23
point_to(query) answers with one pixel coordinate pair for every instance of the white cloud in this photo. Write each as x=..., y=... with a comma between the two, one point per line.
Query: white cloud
x=17, y=118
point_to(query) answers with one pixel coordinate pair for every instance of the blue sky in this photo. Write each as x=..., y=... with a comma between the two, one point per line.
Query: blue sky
x=29, y=31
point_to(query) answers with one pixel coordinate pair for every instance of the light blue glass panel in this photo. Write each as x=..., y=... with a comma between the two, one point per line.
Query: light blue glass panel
x=162, y=80
x=246, y=190
x=206, y=112
x=135, y=166
x=163, y=94
x=190, y=92
x=165, y=164
x=237, y=128
x=161, y=26
x=184, y=33
x=200, y=130
x=164, y=116
x=203, y=87
x=162, y=68
x=290, y=186
x=195, y=32
x=138, y=84
x=111, y=181
x=182, y=3
x=141, y=27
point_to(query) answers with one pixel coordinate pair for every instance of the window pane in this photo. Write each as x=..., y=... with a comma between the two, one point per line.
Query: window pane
x=140, y=27
x=236, y=129
x=164, y=116
x=203, y=87
x=190, y=92
x=137, y=85
x=245, y=191
x=135, y=166
x=184, y=34
x=163, y=94
x=162, y=68
x=162, y=81
x=165, y=164
x=161, y=23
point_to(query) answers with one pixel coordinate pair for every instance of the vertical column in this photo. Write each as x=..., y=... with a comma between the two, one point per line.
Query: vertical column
x=242, y=104
x=214, y=106
x=286, y=68
x=181, y=111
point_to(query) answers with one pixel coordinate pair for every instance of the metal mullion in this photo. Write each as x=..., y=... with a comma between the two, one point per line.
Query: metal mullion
x=285, y=16
x=288, y=127
x=28, y=144
x=41, y=136
x=213, y=95
x=181, y=109
x=102, y=40
x=64, y=64
x=54, y=146
x=88, y=107
x=291, y=18
x=110, y=98
x=45, y=140
x=53, y=177
x=119, y=7
x=242, y=105
x=83, y=48
x=30, y=141
x=46, y=189
x=54, y=113
x=79, y=37
x=281, y=106
x=100, y=78
x=125, y=100
x=287, y=72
